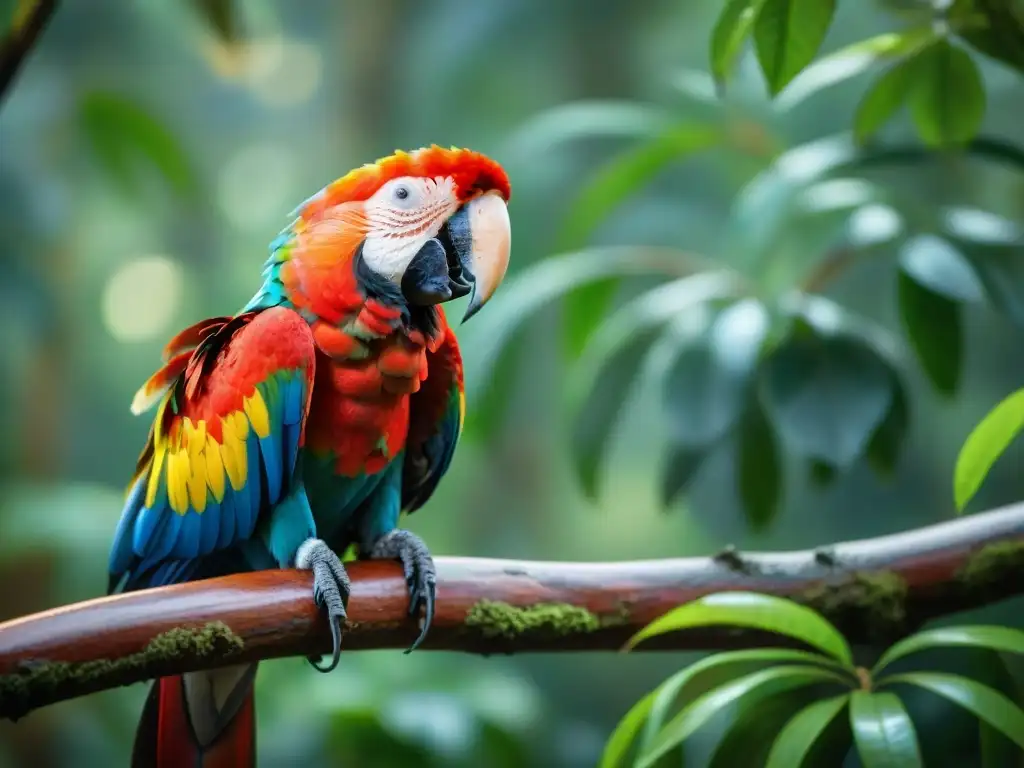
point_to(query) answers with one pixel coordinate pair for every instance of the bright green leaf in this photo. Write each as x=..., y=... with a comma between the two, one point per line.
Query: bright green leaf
x=935, y=264
x=883, y=731
x=625, y=732
x=883, y=100
x=826, y=394
x=122, y=132
x=796, y=740
x=747, y=690
x=599, y=382
x=731, y=31
x=992, y=637
x=934, y=326
x=980, y=700
x=755, y=611
x=853, y=60
x=758, y=466
x=622, y=176
x=986, y=443
x=787, y=36
x=948, y=99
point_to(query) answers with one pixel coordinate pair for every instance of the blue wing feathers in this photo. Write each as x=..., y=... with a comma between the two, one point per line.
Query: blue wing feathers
x=156, y=545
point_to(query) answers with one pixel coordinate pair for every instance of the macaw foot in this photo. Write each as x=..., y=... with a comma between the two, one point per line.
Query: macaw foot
x=420, y=575
x=330, y=591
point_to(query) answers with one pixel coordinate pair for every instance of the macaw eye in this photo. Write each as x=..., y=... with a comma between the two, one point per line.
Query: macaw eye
x=401, y=193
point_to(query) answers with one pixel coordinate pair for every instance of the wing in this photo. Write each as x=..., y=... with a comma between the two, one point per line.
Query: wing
x=223, y=447
x=436, y=413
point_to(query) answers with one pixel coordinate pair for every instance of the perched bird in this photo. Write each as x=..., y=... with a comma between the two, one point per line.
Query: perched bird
x=311, y=419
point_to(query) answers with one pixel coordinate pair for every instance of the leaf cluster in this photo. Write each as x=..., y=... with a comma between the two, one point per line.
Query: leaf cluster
x=787, y=708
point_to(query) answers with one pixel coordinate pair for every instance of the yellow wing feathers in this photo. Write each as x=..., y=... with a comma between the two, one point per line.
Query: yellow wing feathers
x=195, y=464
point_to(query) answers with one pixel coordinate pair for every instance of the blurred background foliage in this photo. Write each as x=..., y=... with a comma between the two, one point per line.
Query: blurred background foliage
x=150, y=151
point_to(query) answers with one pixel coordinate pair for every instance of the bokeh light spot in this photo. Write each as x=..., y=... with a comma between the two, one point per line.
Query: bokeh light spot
x=284, y=73
x=254, y=188
x=141, y=298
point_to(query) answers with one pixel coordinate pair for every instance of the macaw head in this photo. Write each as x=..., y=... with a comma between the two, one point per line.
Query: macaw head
x=433, y=223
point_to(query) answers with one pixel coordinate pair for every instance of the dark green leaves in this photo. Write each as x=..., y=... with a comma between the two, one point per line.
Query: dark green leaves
x=758, y=466
x=883, y=731
x=993, y=638
x=220, y=16
x=801, y=734
x=826, y=394
x=948, y=99
x=883, y=99
x=122, y=133
x=934, y=280
x=787, y=35
x=986, y=443
x=981, y=701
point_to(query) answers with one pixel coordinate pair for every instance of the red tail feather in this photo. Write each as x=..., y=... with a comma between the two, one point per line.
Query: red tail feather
x=166, y=739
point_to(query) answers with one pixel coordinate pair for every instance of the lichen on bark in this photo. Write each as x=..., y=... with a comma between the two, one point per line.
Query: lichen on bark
x=874, y=602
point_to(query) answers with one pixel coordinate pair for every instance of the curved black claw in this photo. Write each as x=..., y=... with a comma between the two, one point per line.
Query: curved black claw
x=330, y=591
x=420, y=575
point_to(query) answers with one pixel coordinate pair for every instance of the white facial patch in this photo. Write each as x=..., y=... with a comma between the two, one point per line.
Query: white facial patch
x=402, y=216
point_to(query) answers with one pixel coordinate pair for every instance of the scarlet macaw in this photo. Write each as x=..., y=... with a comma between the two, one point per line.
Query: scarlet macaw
x=311, y=419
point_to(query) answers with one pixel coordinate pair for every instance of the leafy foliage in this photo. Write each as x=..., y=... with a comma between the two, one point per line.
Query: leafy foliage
x=778, y=369
x=757, y=682
x=986, y=443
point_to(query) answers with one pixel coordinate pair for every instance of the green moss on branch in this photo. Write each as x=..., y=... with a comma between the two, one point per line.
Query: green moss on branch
x=37, y=679
x=497, y=619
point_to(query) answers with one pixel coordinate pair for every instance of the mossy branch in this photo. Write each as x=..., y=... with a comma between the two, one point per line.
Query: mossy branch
x=874, y=590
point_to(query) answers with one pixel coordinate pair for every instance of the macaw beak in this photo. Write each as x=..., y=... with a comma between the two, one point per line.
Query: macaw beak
x=469, y=256
x=484, y=258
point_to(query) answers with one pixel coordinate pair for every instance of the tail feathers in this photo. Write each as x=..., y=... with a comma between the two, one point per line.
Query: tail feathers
x=199, y=720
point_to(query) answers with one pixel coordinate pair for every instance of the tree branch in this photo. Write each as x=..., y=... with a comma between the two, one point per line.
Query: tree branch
x=25, y=29
x=874, y=590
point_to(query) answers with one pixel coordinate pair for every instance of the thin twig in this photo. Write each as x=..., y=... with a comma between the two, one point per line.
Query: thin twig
x=20, y=39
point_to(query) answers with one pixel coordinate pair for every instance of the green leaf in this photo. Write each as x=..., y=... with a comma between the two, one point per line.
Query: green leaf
x=603, y=374
x=948, y=99
x=982, y=636
x=826, y=394
x=935, y=329
x=1001, y=271
x=787, y=36
x=883, y=731
x=715, y=670
x=538, y=285
x=122, y=132
x=935, y=264
x=1001, y=33
x=853, y=60
x=600, y=410
x=597, y=118
x=883, y=99
x=796, y=740
x=746, y=691
x=621, y=177
x=980, y=700
x=622, y=738
x=755, y=611
x=681, y=464
x=731, y=31
x=887, y=441
x=758, y=466
x=749, y=737
x=986, y=443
